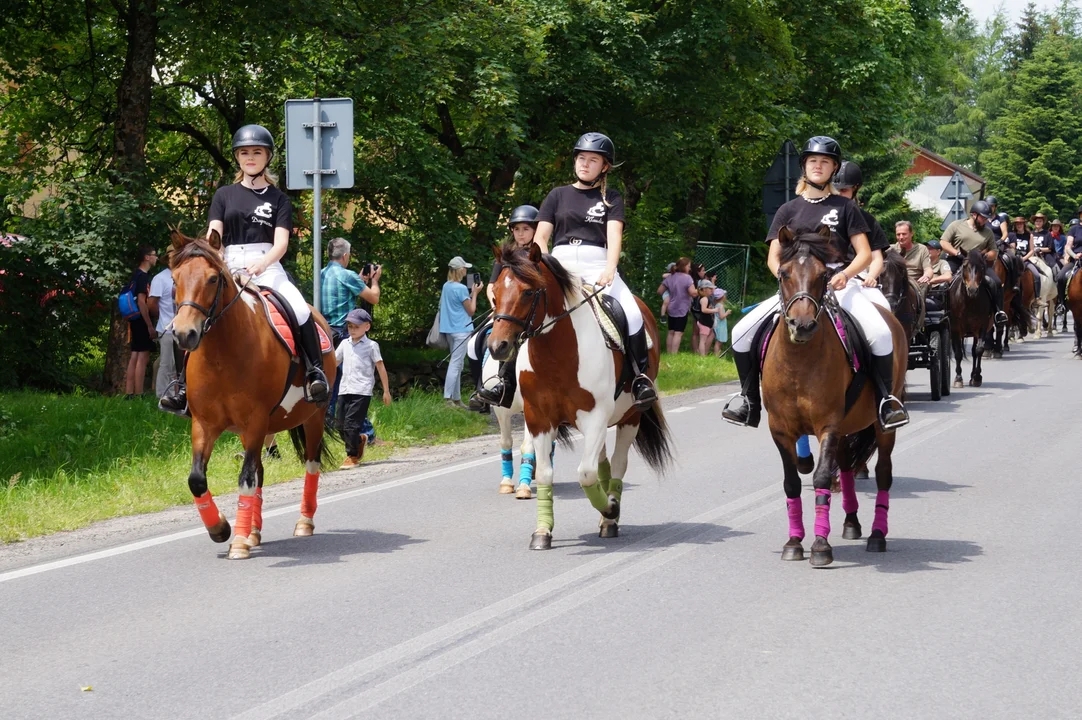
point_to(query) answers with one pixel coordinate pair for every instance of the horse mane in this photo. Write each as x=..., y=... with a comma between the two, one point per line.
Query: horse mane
x=894, y=262
x=808, y=243
x=976, y=259
x=517, y=260
x=196, y=247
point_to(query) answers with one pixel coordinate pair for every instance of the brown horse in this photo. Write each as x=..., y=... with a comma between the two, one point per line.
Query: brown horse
x=240, y=379
x=1074, y=304
x=905, y=300
x=972, y=315
x=805, y=378
x=568, y=376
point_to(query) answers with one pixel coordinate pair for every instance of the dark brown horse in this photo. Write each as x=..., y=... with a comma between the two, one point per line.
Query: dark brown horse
x=568, y=377
x=905, y=300
x=805, y=377
x=240, y=379
x=1014, y=303
x=972, y=314
x=1074, y=304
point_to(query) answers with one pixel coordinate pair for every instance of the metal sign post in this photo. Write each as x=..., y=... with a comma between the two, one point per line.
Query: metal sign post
x=958, y=191
x=319, y=153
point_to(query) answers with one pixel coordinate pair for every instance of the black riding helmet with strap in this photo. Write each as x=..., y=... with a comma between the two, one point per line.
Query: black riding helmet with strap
x=848, y=176
x=253, y=136
x=599, y=143
x=820, y=145
x=524, y=214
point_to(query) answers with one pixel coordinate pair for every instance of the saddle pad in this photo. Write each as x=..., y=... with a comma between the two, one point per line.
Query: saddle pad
x=851, y=351
x=282, y=327
x=606, y=323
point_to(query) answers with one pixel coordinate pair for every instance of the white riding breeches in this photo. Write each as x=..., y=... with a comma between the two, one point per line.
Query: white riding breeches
x=859, y=301
x=238, y=257
x=589, y=262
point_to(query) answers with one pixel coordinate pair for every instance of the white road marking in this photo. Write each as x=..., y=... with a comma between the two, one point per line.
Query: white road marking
x=678, y=410
x=711, y=401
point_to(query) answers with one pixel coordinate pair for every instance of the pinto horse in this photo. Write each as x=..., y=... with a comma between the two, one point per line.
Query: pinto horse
x=805, y=379
x=567, y=376
x=240, y=379
x=972, y=315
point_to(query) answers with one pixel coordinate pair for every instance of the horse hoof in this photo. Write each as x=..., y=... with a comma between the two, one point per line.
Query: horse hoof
x=238, y=550
x=821, y=553
x=851, y=530
x=541, y=540
x=792, y=550
x=609, y=530
x=805, y=466
x=255, y=538
x=613, y=513
x=523, y=492
x=220, y=533
x=861, y=474
x=507, y=487
x=958, y=382
x=876, y=542
x=304, y=527
x=975, y=382
x=997, y=354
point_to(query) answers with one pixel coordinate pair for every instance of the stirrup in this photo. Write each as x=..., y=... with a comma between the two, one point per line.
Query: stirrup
x=885, y=404
x=1001, y=318
x=740, y=416
x=316, y=397
x=175, y=391
x=643, y=392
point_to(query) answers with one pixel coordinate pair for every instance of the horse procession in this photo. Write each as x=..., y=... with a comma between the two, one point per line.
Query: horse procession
x=568, y=346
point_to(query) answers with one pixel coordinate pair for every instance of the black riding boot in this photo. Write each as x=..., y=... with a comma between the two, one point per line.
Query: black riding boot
x=892, y=413
x=642, y=387
x=175, y=398
x=316, y=387
x=996, y=288
x=502, y=392
x=750, y=411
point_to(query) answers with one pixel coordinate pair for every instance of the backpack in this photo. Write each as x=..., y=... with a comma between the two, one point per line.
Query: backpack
x=127, y=302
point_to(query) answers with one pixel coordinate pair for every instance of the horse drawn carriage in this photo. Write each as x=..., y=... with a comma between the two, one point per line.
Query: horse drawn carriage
x=930, y=346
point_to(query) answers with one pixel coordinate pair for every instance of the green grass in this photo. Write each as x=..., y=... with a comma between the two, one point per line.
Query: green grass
x=69, y=460
x=685, y=371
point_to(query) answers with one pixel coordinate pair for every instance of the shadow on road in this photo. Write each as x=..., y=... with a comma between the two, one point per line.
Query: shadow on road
x=329, y=547
x=906, y=555
x=908, y=488
x=675, y=534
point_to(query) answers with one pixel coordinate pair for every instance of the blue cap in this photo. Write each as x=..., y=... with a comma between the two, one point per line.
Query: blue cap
x=934, y=245
x=357, y=316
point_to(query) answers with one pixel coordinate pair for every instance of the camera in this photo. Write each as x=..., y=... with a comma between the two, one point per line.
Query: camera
x=368, y=268
x=472, y=279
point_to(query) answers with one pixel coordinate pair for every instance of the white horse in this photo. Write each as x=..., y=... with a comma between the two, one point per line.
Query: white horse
x=1046, y=299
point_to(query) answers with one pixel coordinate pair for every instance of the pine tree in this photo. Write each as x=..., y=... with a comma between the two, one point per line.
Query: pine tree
x=1032, y=163
x=1028, y=37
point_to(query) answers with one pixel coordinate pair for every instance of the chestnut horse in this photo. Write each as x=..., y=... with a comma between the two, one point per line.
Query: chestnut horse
x=805, y=378
x=240, y=379
x=567, y=376
x=1074, y=304
x=972, y=314
x=1014, y=304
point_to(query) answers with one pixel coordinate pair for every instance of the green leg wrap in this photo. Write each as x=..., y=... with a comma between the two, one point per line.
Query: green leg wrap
x=599, y=498
x=544, y=507
x=616, y=488
x=604, y=475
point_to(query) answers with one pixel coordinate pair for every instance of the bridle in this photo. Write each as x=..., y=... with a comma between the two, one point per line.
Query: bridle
x=817, y=302
x=211, y=318
x=528, y=331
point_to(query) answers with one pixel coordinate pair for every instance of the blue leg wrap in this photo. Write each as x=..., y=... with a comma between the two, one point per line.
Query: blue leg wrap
x=525, y=469
x=507, y=464
x=803, y=446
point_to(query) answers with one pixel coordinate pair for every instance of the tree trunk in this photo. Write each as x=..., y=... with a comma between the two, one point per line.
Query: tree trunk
x=129, y=146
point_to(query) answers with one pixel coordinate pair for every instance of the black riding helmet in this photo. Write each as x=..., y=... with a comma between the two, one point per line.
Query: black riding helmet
x=981, y=208
x=1074, y=221
x=595, y=142
x=253, y=136
x=821, y=145
x=524, y=214
x=991, y=200
x=848, y=176
x=1002, y=217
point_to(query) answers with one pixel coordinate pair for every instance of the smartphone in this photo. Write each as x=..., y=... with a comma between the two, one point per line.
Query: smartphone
x=473, y=278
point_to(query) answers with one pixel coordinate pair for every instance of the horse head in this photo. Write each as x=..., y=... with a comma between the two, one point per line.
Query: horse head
x=973, y=272
x=803, y=279
x=200, y=277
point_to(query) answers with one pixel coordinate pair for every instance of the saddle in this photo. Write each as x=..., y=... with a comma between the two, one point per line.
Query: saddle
x=1069, y=272
x=283, y=321
x=1037, y=277
x=614, y=328
x=1010, y=262
x=857, y=349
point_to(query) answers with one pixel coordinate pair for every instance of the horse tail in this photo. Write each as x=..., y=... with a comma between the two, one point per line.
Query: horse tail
x=653, y=441
x=300, y=441
x=563, y=436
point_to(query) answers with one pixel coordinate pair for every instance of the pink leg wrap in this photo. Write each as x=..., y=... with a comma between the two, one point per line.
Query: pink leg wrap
x=796, y=517
x=849, y=491
x=308, y=501
x=822, y=513
x=243, y=526
x=882, y=504
x=257, y=510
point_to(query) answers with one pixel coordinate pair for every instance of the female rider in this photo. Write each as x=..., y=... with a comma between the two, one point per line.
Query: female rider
x=818, y=205
x=254, y=220
x=585, y=221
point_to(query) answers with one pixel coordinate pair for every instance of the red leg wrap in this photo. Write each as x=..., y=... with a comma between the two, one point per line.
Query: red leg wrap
x=208, y=510
x=243, y=526
x=257, y=510
x=308, y=502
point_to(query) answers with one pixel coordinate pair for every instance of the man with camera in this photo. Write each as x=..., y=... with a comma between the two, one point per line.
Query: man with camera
x=339, y=290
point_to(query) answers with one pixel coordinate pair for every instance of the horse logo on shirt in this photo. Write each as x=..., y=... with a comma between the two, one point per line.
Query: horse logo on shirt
x=596, y=214
x=266, y=210
x=831, y=219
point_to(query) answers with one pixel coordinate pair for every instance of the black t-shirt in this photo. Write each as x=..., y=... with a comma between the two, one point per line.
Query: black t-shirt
x=580, y=217
x=1042, y=239
x=1020, y=241
x=1075, y=233
x=995, y=223
x=250, y=216
x=840, y=214
x=140, y=282
x=877, y=239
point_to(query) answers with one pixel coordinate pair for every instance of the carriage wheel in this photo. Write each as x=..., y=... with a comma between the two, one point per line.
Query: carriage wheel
x=935, y=365
x=945, y=359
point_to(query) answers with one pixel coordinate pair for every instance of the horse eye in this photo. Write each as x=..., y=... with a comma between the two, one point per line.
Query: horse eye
x=213, y=280
x=528, y=293
x=783, y=274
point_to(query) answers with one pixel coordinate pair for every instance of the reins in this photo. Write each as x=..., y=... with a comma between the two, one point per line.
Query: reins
x=527, y=333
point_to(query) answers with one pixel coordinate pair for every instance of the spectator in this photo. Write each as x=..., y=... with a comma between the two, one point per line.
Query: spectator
x=665, y=295
x=941, y=271
x=698, y=274
x=705, y=317
x=339, y=290
x=457, y=306
x=681, y=291
x=162, y=303
x=141, y=331
x=721, y=321
x=359, y=358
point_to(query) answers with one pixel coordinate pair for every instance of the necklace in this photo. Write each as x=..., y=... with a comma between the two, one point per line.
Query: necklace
x=259, y=191
x=816, y=201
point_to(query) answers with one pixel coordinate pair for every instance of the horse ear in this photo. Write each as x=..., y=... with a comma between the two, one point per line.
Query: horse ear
x=785, y=235
x=535, y=253
x=824, y=232
x=178, y=239
x=214, y=239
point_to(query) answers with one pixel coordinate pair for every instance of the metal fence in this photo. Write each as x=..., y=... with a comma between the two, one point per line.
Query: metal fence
x=730, y=262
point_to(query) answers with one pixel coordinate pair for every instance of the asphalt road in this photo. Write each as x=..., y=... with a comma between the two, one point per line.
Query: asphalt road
x=418, y=597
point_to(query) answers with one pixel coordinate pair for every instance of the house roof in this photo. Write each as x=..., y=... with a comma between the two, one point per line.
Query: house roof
x=935, y=159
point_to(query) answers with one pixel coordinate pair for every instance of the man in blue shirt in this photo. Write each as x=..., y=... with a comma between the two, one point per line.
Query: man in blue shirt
x=339, y=289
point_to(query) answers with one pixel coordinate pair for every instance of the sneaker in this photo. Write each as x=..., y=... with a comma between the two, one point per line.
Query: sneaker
x=363, y=445
x=350, y=462
x=272, y=453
